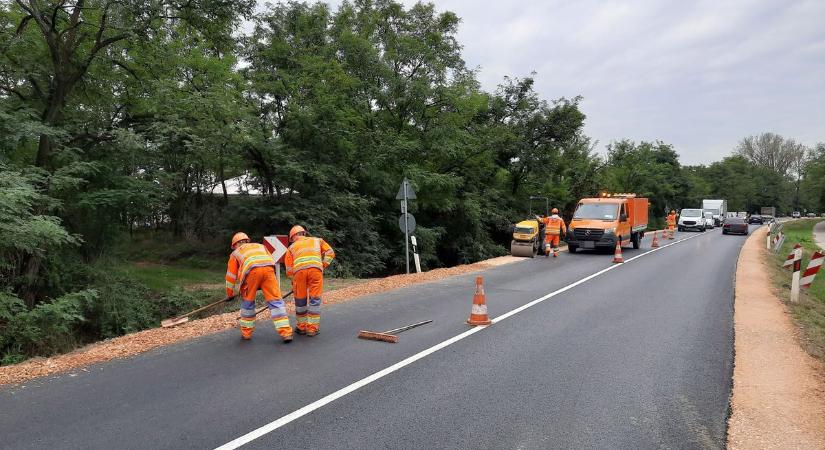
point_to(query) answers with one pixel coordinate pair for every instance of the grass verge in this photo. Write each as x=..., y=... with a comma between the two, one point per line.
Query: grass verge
x=809, y=312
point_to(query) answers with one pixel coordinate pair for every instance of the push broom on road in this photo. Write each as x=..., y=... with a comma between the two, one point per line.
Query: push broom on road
x=388, y=336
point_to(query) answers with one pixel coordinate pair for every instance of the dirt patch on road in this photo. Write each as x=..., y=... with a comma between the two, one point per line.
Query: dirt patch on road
x=133, y=344
x=778, y=389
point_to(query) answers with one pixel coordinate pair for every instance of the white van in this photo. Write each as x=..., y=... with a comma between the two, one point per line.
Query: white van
x=692, y=219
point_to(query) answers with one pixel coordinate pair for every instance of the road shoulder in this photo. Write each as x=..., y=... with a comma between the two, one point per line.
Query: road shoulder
x=819, y=234
x=778, y=399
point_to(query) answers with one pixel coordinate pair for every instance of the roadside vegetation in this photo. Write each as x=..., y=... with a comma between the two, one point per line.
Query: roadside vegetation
x=809, y=313
x=123, y=146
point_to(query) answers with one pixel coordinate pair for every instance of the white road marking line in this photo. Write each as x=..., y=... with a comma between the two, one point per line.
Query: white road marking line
x=278, y=423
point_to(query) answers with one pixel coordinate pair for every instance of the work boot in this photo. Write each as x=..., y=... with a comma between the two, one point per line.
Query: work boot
x=246, y=334
x=313, y=333
x=300, y=331
x=555, y=255
x=287, y=339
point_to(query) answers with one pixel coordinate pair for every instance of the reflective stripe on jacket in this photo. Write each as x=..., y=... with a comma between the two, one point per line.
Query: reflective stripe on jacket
x=308, y=252
x=554, y=225
x=245, y=258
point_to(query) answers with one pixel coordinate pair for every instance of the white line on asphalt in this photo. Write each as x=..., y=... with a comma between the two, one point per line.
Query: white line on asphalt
x=278, y=423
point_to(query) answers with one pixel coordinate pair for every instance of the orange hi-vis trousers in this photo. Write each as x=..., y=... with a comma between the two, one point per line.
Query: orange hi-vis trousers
x=670, y=232
x=308, y=284
x=551, y=240
x=263, y=278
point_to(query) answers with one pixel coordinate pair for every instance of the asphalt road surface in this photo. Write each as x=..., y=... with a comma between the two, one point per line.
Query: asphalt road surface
x=635, y=356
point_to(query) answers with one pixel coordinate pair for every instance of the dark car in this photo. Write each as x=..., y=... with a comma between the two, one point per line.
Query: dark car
x=735, y=225
x=756, y=218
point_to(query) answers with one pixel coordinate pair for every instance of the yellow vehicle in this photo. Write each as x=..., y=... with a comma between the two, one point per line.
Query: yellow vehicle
x=528, y=235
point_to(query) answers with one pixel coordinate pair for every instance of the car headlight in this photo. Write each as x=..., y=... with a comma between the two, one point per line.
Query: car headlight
x=610, y=230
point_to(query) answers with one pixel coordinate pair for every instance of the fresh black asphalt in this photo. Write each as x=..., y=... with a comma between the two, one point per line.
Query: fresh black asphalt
x=639, y=357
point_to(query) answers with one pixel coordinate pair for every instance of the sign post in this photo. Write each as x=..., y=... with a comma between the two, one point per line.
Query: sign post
x=406, y=222
x=415, y=254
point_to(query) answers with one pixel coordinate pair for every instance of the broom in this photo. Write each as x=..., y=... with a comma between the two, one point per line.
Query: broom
x=166, y=323
x=388, y=336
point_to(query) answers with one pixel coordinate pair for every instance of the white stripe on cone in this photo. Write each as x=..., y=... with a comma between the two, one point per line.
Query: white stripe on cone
x=479, y=309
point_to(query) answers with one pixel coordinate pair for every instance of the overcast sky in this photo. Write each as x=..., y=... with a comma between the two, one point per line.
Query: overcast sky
x=696, y=74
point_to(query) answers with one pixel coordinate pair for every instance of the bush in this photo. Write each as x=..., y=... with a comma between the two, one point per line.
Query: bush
x=48, y=328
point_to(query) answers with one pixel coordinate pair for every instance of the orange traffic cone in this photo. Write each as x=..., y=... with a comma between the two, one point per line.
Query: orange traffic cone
x=655, y=240
x=617, y=255
x=478, y=315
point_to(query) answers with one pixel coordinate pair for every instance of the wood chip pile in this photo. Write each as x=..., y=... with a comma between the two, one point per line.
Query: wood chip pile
x=142, y=341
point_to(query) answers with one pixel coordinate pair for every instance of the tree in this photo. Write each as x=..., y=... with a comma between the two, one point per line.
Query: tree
x=771, y=151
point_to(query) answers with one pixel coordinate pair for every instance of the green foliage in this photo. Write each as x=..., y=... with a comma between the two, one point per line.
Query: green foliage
x=48, y=327
x=123, y=126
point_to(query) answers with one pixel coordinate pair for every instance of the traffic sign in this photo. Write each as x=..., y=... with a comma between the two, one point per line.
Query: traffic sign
x=277, y=246
x=410, y=225
x=410, y=191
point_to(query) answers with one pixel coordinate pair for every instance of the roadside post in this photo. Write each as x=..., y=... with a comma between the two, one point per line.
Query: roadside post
x=415, y=254
x=406, y=222
x=813, y=267
x=797, y=265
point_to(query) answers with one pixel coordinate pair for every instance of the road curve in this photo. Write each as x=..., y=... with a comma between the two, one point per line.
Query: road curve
x=638, y=356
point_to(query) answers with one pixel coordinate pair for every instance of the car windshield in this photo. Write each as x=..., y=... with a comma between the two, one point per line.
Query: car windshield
x=691, y=213
x=601, y=211
x=521, y=230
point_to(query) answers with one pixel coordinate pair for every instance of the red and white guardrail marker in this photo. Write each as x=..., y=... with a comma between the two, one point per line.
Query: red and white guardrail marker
x=813, y=267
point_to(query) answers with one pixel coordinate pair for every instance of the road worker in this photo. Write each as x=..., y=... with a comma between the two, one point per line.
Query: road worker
x=671, y=223
x=554, y=228
x=251, y=268
x=305, y=261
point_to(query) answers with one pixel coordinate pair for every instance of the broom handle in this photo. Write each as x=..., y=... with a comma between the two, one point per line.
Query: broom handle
x=262, y=308
x=202, y=308
x=398, y=330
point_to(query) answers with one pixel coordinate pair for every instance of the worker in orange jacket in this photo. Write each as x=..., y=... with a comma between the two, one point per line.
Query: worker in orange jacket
x=252, y=268
x=554, y=227
x=305, y=261
x=671, y=224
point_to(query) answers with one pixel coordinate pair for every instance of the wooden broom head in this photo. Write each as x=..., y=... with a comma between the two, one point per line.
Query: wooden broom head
x=376, y=336
x=166, y=323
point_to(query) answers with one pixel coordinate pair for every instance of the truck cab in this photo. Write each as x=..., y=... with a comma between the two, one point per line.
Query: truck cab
x=601, y=222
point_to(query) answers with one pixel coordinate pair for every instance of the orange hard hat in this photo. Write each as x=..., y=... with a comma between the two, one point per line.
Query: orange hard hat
x=239, y=237
x=295, y=230
x=554, y=210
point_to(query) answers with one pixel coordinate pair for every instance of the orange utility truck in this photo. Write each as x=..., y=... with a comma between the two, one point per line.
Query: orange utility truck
x=600, y=221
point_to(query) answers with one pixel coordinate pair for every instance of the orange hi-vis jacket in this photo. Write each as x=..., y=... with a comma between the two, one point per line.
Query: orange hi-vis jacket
x=245, y=258
x=308, y=252
x=554, y=225
x=671, y=220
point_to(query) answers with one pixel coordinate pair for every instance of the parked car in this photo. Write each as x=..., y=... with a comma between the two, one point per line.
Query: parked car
x=735, y=225
x=691, y=219
x=756, y=218
x=811, y=214
x=796, y=214
x=768, y=219
x=822, y=215
x=710, y=221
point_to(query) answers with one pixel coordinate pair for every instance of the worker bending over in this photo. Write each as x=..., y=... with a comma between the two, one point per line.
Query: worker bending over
x=671, y=223
x=553, y=229
x=305, y=261
x=251, y=268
